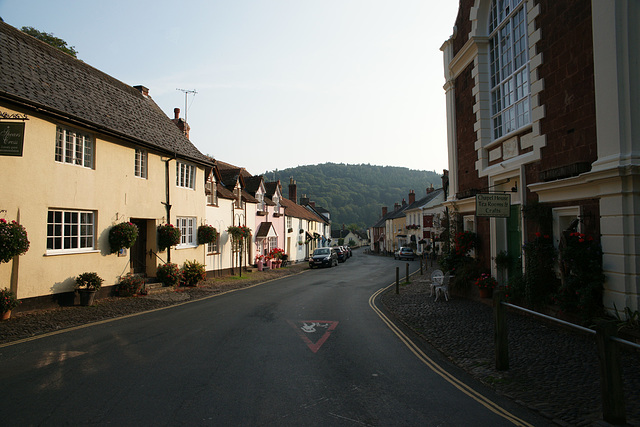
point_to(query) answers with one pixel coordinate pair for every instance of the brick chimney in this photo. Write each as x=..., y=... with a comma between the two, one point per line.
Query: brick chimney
x=182, y=125
x=404, y=202
x=143, y=90
x=312, y=204
x=384, y=211
x=412, y=197
x=304, y=200
x=430, y=189
x=293, y=190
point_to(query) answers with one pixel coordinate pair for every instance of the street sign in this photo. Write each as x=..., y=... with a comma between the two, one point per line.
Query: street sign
x=496, y=205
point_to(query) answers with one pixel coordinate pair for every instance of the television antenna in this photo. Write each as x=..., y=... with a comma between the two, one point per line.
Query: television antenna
x=186, y=93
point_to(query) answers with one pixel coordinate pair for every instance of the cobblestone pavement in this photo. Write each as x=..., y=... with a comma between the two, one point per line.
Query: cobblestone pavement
x=553, y=370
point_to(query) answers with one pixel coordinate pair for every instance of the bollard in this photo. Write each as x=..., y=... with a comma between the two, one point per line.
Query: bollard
x=500, y=331
x=613, y=410
x=397, y=280
x=407, y=274
x=421, y=272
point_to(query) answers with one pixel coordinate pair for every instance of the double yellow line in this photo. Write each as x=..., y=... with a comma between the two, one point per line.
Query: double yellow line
x=490, y=405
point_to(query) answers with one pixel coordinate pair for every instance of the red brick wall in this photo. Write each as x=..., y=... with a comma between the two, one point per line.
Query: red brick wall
x=568, y=96
x=466, y=136
x=463, y=24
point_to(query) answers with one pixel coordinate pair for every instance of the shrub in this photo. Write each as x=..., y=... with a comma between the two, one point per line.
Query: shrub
x=130, y=284
x=540, y=281
x=122, y=236
x=89, y=281
x=192, y=273
x=8, y=300
x=486, y=281
x=168, y=236
x=583, y=279
x=13, y=240
x=207, y=234
x=169, y=274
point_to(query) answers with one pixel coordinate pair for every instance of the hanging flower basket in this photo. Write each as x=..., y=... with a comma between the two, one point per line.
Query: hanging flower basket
x=239, y=232
x=207, y=234
x=168, y=236
x=13, y=240
x=122, y=236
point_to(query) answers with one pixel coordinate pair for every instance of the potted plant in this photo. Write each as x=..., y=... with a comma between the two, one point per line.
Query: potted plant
x=192, y=273
x=13, y=240
x=260, y=262
x=207, y=234
x=502, y=261
x=169, y=274
x=130, y=285
x=239, y=232
x=87, y=284
x=485, y=284
x=168, y=236
x=122, y=236
x=8, y=301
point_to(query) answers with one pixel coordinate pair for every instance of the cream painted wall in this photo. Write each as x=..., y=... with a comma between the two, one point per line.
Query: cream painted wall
x=35, y=182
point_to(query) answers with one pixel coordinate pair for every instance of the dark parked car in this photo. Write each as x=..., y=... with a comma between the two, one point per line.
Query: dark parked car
x=323, y=257
x=342, y=254
x=405, y=252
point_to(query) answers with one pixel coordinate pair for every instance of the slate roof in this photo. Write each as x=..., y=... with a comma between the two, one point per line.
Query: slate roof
x=38, y=76
x=293, y=209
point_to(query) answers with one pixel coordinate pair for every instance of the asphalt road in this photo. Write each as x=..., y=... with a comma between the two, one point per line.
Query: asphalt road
x=307, y=350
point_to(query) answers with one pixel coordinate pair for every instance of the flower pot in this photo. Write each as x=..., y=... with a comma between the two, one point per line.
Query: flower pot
x=87, y=296
x=486, y=292
x=260, y=265
x=6, y=315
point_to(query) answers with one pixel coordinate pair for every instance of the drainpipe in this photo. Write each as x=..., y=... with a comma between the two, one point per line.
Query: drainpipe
x=167, y=203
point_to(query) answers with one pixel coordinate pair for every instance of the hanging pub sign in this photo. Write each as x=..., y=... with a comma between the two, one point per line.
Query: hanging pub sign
x=495, y=205
x=11, y=138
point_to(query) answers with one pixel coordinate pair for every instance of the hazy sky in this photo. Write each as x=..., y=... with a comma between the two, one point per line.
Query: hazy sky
x=280, y=83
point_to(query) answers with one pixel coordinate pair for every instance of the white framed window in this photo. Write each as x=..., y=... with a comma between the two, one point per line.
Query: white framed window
x=141, y=160
x=276, y=200
x=185, y=175
x=564, y=218
x=213, y=248
x=210, y=191
x=74, y=148
x=238, y=202
x=289, y=222
x=187, y=227
x=509, y=69
x=70, y=231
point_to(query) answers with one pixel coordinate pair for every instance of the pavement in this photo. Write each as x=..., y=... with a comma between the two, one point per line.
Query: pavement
x=553, y=369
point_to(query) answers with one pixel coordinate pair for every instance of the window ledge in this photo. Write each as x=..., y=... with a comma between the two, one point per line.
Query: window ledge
x=71, y=252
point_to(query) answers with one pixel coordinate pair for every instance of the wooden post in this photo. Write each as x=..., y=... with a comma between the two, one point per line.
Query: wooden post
x=397, y=280
x=421, y=271
x=407, y=274
x=500, y=331
x=610, y=373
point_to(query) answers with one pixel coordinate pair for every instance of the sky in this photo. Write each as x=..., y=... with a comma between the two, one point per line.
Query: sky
x=278, y=83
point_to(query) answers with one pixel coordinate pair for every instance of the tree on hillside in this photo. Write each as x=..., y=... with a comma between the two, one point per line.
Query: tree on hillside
x=50, y=39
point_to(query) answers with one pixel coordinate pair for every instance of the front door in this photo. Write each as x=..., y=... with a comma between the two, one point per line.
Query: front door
x=138, y=253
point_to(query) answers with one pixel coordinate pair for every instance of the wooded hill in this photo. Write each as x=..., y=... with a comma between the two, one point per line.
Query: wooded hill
x=355, y=194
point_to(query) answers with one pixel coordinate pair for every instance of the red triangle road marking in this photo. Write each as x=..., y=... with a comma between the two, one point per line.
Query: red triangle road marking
x=309, y=328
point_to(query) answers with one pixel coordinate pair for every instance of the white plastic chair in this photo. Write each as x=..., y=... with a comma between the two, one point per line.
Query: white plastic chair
x=436, y=280
x=444, y=287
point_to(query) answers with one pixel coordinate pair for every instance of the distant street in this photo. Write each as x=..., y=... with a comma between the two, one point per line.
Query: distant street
x=306, y=350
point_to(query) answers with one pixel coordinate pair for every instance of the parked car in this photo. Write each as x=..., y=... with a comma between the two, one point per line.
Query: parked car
x=405, y=252
x=349, y=251
x=342, y=254
x=323, y=257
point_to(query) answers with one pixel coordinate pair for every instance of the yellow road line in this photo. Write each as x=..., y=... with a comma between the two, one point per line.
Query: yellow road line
x=431, y=364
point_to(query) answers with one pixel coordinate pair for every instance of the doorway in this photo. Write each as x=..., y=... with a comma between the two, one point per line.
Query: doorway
x=138, y=252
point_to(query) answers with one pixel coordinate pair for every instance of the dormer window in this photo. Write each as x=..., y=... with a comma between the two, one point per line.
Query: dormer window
x=238, y=194
x=210, y=191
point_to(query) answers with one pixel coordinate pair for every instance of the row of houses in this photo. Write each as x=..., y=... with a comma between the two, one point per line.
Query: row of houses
x=413, y=223
x=543, y=107
x=81, y=152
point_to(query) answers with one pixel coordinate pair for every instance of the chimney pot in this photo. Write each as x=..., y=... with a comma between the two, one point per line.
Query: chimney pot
x=176, y=113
